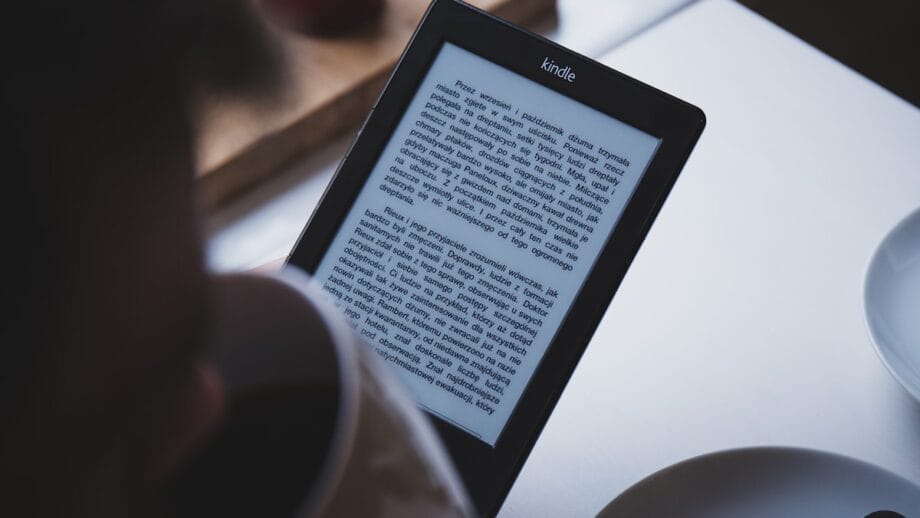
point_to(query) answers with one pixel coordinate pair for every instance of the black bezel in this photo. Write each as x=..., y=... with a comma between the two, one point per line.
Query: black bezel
x=489, y=471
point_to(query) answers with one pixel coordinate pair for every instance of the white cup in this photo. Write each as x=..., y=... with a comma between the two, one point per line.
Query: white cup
x=892, y=302
x=315, y=425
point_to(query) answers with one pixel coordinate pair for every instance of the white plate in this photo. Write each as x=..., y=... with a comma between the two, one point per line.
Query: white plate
x=769, y=482
x=892, y=302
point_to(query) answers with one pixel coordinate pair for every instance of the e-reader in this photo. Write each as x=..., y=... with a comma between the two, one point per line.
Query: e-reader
x=482, y=220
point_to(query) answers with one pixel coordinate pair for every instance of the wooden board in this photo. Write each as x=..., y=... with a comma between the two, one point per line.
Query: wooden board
x=333, y=82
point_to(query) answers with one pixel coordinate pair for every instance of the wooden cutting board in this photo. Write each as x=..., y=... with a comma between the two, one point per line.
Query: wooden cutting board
x=333, y=83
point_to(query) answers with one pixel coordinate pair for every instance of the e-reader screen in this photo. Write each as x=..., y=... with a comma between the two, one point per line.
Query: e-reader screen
x=475, y=230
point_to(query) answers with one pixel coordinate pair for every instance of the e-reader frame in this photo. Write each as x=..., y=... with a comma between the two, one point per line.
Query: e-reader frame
x=490, y=471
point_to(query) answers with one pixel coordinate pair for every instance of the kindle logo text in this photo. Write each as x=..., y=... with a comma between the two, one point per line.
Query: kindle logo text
x=561, y=72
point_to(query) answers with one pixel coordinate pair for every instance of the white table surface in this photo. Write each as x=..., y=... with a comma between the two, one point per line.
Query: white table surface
x=740, y=322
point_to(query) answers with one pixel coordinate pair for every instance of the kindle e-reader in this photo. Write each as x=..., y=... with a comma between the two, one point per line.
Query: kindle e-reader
x=482, y=220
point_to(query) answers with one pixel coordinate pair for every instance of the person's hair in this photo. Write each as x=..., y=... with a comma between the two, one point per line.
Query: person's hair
x=89, y=59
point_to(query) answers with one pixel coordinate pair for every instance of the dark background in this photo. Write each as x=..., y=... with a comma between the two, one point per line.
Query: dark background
x=880, y=39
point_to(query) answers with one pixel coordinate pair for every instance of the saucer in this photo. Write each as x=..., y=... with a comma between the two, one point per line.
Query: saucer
x=892, y=302
x=769, y=482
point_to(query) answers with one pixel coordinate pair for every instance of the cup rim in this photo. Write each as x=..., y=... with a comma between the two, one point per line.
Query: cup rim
x=912, y=386
x=346, y=424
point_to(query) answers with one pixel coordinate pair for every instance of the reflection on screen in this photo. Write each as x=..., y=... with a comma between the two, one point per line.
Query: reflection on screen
x=476, y=229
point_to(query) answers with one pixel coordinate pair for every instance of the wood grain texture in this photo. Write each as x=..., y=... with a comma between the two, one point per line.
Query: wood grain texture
x=332, y=83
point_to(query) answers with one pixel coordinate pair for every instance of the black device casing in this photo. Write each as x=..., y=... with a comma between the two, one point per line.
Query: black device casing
x=489, y=471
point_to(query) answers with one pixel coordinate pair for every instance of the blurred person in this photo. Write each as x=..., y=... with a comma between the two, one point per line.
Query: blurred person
x=106, y=387
x=101, y=386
